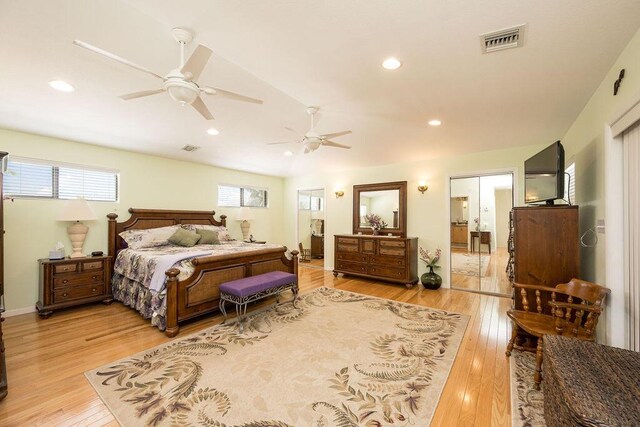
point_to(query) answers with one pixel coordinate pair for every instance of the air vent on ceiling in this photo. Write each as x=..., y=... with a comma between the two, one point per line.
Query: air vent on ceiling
x=502, y=39
x=190, y=147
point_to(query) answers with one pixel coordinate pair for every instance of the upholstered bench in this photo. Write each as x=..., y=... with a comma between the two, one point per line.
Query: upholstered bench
x=253, y=288
x=588, y=384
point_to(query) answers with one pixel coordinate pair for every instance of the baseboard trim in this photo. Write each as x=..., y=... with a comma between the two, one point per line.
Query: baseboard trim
x=19, y=311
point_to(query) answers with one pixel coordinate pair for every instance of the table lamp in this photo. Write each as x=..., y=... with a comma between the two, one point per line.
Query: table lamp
x=245, y=215
x=77, y=210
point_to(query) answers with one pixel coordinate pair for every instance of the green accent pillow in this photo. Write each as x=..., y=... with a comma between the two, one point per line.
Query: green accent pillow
x=184, y=237
x=208, y=237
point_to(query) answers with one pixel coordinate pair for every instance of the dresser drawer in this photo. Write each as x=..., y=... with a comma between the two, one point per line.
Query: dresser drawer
x=347, y=248
x=64, y=280
x=351, y=257
x=65, y=268
x=387, y=261
x=351, y=266
x=390, y=272
x=93, y=265
x=78, y=292
x=348, y=240
x=392, y=251
x=392, y=243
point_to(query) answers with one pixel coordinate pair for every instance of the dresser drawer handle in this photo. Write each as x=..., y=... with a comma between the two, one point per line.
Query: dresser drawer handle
x=64, y=295
x=95, y=277
x=65, y=281
x=93, y=290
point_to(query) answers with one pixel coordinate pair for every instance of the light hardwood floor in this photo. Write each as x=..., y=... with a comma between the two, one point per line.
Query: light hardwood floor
x=46, y=358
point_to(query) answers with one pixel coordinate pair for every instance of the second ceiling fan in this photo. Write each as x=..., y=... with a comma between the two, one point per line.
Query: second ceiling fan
x=180, y=82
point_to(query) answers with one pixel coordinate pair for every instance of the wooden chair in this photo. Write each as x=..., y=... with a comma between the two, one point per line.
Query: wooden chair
x=562, y=315
x=305, y=254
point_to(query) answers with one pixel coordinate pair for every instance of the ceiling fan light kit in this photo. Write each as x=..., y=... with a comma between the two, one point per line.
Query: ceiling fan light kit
x=180, y=82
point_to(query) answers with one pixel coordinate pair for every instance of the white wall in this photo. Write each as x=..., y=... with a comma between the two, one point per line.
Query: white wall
x=427, y=214
x=146, y=182
x=503, y=207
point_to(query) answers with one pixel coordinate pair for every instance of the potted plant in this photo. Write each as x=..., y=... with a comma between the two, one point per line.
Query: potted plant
x=431, y=280
x=375, y=222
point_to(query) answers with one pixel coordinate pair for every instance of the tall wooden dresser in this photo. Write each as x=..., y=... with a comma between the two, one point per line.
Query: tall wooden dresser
x=392, y=259
x=3, y=366
x=544, y=245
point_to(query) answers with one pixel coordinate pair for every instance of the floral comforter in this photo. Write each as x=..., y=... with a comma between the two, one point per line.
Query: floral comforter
x=134, y=268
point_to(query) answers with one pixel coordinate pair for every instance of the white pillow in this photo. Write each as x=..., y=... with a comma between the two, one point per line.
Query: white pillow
x=149, y=238
x=223, y=233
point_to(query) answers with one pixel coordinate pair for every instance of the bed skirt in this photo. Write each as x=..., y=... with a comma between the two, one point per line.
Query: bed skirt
x=150, y=304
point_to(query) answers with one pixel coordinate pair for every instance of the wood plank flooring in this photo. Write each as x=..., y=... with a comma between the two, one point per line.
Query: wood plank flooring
x=46, y=359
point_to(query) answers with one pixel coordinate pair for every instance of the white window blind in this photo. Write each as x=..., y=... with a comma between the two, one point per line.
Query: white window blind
x=27, y=177
x=236, y=196
x=570, y=184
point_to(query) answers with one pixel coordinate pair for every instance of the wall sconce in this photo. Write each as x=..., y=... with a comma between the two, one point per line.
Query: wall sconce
x=339, y=193
x=422, y=186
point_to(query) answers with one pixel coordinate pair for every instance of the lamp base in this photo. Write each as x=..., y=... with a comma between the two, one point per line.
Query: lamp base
x=245, y=226
x=77, y=233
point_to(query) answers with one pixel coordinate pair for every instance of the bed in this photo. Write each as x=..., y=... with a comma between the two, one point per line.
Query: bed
x=185, y=297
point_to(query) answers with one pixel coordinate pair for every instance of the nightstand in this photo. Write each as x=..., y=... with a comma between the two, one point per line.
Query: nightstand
x=73, y=281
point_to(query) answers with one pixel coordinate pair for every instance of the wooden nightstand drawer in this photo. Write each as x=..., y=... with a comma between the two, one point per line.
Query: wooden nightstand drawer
x=65, y=268
x=63, y=280
x=79, y=292
x=93, y=265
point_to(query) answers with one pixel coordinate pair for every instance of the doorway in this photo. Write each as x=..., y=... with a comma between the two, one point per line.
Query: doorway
x=311, y=219
x=479, y=222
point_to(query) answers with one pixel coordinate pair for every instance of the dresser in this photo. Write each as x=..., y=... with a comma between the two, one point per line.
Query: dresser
x=459, y=234
x=317, y=246
x=391, y=259
x=70, y=282
x=3, y=365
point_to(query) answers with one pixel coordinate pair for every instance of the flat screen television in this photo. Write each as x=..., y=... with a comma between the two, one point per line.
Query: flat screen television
x=544, y=175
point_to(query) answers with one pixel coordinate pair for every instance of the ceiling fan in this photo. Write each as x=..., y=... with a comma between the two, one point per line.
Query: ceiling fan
x=313, y=140
x=179, y=82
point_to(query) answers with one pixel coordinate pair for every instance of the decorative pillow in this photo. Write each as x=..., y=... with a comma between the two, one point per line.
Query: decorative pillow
x=149, y=238
x=184, y=237
x=208, y=237
x=223, y=234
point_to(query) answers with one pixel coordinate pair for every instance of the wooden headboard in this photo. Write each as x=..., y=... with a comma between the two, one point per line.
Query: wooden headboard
x=142, y=219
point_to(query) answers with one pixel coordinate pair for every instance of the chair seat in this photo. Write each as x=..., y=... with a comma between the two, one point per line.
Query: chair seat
x=543, y=324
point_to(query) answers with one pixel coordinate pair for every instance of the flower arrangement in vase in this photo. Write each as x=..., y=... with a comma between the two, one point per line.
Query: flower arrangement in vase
x=431, y=280
x=477, y=221
x=375, y=222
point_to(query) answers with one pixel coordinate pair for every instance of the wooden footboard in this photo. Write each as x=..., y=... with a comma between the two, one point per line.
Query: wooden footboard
x=199, y=294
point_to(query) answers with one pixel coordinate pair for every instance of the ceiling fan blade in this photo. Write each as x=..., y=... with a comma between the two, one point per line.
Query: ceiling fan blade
x=232, y=95
x=196, y=62
x=334, y=144
x=335, y=135
x=140, y=94
x=292, y=130
x=115, y=58
x=200, y=106
x=307, y=150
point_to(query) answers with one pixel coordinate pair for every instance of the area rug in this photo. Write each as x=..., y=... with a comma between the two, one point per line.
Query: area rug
x=469, y=264
x=527, y=403
x=340, y=359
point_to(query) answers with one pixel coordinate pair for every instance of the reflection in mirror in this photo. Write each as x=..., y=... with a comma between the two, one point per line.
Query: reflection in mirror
x=479, y=223
x=311, y=208
x=384, y=203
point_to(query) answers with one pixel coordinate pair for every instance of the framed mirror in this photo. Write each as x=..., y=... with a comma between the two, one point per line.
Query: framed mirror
x=384, y=203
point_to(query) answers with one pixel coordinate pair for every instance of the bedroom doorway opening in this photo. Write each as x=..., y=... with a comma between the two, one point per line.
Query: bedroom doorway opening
x=479, y=222
x=311, y=207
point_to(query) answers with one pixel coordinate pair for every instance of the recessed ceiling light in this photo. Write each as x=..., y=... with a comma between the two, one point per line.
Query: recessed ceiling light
x=61, y=86
x=435, y=122
x=391, y=64
x=288, y=153
x=212, y=131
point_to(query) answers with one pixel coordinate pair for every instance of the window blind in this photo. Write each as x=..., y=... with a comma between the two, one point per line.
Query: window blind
x=237, y=196
x=27, y=177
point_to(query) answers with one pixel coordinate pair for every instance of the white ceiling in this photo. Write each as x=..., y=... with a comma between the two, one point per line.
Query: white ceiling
x=293, y=53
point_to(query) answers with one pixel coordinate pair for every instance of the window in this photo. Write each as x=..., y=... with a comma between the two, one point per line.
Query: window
x=231, y=195
x=570, y=184
x=52, y=180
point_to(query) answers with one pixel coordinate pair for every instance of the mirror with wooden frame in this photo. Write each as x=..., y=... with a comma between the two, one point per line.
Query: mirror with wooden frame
x=386, y=201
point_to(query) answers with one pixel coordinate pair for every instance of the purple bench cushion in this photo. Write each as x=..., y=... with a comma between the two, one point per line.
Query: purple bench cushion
x=254, y=284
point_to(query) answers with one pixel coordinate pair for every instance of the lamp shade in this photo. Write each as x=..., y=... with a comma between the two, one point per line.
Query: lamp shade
x=245, y=214
x=77, y=210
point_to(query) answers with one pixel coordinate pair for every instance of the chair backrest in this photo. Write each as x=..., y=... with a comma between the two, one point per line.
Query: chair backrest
x=301, y=248
x=589, y=293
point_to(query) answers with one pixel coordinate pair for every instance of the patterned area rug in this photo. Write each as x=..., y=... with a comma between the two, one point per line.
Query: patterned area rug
x=340, y=359
x=469, y=264
x=527, y=404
